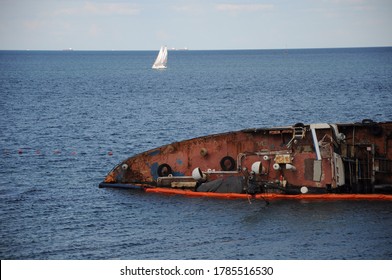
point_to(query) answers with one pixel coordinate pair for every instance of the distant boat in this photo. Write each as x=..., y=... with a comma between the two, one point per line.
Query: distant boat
x=180, y=49
x=161, y=60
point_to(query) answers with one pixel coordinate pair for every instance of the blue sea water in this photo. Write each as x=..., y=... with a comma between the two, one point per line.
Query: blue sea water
x=66, y=118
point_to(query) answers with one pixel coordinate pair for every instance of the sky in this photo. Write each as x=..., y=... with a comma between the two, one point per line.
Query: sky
x=195, y=24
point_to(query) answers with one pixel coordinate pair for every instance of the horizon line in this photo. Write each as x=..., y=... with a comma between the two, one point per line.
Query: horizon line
x=188, y=49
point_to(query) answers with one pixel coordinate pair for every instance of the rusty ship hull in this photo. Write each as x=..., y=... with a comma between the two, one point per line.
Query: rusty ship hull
x=339, y=161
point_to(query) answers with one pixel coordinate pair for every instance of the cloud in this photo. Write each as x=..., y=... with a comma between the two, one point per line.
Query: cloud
x=189, y=9
x=33, y=24
x=162, y=35
x=101, y=9
x=94, y=30
x=183, y=8
x=111, y=9
x=244, y=7
x=349, y=1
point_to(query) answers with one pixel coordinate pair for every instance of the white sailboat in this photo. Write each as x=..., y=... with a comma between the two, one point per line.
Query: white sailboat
x=161, y=61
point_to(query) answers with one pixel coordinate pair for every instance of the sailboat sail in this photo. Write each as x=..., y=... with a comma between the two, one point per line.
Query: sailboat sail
x=161, y=61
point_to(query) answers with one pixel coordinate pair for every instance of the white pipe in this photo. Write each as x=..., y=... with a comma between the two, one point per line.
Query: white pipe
x=315, y=142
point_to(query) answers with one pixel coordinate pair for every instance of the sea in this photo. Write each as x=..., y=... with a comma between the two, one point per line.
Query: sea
x=68, y=117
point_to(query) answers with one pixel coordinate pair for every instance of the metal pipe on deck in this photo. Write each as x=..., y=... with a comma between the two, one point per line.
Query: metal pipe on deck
x=315, y=142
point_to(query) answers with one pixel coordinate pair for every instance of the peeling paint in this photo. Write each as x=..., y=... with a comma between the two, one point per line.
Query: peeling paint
x=154, y=153
x=154, y=170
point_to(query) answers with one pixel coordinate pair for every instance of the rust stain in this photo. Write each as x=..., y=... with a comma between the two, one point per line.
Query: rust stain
x=281, y=159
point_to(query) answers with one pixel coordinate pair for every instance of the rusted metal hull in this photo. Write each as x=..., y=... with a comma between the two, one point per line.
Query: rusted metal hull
x=353, y=158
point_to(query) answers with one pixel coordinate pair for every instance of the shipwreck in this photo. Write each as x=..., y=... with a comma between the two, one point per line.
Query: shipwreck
x=322, y=160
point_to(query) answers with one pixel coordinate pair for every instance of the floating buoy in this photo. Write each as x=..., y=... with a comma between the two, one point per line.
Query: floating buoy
x=198, y=175
x=124, y=166
x=20, y=151
x=110, y=153
x=276, y=166
x=290, y=167
x=258, y=168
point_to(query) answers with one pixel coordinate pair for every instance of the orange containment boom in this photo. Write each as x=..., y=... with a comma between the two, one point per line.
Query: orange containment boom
x=272, y=196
